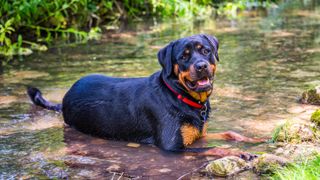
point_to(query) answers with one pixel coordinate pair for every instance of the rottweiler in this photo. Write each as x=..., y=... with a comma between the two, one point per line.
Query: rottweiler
x=169, y=109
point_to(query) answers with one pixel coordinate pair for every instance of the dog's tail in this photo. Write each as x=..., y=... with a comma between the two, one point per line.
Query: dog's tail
x=37, y=99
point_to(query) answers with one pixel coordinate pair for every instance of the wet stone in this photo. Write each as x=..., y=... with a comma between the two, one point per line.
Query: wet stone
x=311, y=96
x=298, y=152
x=113, y=167
x=268, y=163
x=226, y=166
x=56, y=173
x=86, y=174
x=133, y=145
x=296, y=133
x=80, y=159
x=164, y=170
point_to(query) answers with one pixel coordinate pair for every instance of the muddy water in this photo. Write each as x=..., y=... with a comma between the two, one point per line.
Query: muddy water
x=267, y=60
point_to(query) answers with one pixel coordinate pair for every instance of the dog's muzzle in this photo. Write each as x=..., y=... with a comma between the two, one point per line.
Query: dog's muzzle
x=201, y=76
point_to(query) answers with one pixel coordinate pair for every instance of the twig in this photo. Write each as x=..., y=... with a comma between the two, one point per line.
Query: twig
x=120, y=175
x=184, y=175
x=113, y=175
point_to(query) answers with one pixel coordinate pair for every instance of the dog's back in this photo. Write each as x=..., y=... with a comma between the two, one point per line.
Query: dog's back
x=109, y=107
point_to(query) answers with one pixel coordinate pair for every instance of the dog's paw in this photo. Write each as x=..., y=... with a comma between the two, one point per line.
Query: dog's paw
x=246, y=156
x=222, y=152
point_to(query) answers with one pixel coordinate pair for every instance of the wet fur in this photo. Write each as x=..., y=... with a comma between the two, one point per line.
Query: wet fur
x=142, y=110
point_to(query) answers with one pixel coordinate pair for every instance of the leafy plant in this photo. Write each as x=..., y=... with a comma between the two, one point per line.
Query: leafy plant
x=39, y=22
x=6, y=30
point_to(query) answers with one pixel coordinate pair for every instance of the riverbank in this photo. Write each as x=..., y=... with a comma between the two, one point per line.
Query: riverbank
x=28, y=26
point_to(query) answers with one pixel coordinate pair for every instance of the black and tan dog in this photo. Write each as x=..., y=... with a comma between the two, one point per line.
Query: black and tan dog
x=169, y=109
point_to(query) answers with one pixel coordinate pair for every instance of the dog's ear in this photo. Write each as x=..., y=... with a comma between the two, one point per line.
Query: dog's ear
x=214, y=43
x=165, y=59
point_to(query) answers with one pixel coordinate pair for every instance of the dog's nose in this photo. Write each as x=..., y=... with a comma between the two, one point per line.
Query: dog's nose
x=201, y=66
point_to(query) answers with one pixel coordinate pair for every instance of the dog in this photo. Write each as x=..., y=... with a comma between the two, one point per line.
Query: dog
x=169, y=109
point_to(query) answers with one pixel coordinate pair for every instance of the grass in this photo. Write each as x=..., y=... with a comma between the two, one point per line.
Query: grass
x=308, y=170
x=276, y=132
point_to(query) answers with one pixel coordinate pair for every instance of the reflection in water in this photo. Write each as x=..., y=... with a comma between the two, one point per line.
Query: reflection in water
x=103, y=158
x=266, y=62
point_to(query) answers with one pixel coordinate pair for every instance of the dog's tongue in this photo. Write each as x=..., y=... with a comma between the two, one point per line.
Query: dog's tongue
x=203, y=82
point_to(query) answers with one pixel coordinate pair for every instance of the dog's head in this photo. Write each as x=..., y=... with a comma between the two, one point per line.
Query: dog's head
x=191, y=61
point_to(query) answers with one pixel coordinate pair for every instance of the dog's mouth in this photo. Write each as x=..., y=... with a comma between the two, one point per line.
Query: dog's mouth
x=200, y=85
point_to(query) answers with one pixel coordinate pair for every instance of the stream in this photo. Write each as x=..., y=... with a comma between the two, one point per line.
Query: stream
x=267, y=59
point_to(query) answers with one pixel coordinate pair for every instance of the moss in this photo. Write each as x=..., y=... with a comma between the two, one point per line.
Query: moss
x=311, y=96
x=293, y=133
x=226, y=166
x=268, y=163
x=315, y=117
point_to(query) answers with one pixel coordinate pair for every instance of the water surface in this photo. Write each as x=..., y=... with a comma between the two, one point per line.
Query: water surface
x=266, y=60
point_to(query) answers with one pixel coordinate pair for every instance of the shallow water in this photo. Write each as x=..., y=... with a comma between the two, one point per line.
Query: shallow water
x=266, y=61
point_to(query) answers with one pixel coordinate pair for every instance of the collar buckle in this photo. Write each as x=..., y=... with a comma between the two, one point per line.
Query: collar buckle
x=203, y=112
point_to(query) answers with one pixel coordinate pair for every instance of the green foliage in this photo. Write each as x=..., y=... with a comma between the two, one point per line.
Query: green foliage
x=230, y=9
x=7, y=48
x=181, y=8
x=33, y=23
x=6, y=30
x=308, y=170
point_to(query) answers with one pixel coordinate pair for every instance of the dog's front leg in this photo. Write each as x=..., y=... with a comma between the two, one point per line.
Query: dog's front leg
x=233, y=136
x=171, y=140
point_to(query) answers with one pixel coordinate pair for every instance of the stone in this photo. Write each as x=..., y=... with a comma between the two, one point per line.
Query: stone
x=114, y=167
x=268, y=163
x=295, y=133
x=226, y=166
x=164, y=170
x=299, y=152
x=133, y=145
x=311, y=96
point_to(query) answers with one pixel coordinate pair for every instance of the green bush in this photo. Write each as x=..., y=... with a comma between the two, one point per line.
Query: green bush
x=33, y=23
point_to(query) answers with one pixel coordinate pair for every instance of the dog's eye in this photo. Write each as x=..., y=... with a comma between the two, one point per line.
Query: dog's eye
x=205, y=51
x=184, y=56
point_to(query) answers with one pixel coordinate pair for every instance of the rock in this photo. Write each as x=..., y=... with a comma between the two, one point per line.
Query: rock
x=133, y=145
x=315, y=117
x=295, y=133
x=268, y=163
x=164, y=170
x=114, y=167
x=299, y=152
x=226, y=166
x=56, y=173
x=311, y=96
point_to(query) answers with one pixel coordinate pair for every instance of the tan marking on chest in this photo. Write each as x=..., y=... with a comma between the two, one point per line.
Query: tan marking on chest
x=190, y=133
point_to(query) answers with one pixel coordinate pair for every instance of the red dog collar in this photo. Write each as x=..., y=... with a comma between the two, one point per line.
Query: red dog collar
x=184, y=99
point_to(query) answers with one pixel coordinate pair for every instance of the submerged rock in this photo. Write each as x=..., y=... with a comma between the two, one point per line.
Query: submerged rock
x=315, y=117
x=226, y=166
x=311, y=96
x=268, y=163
